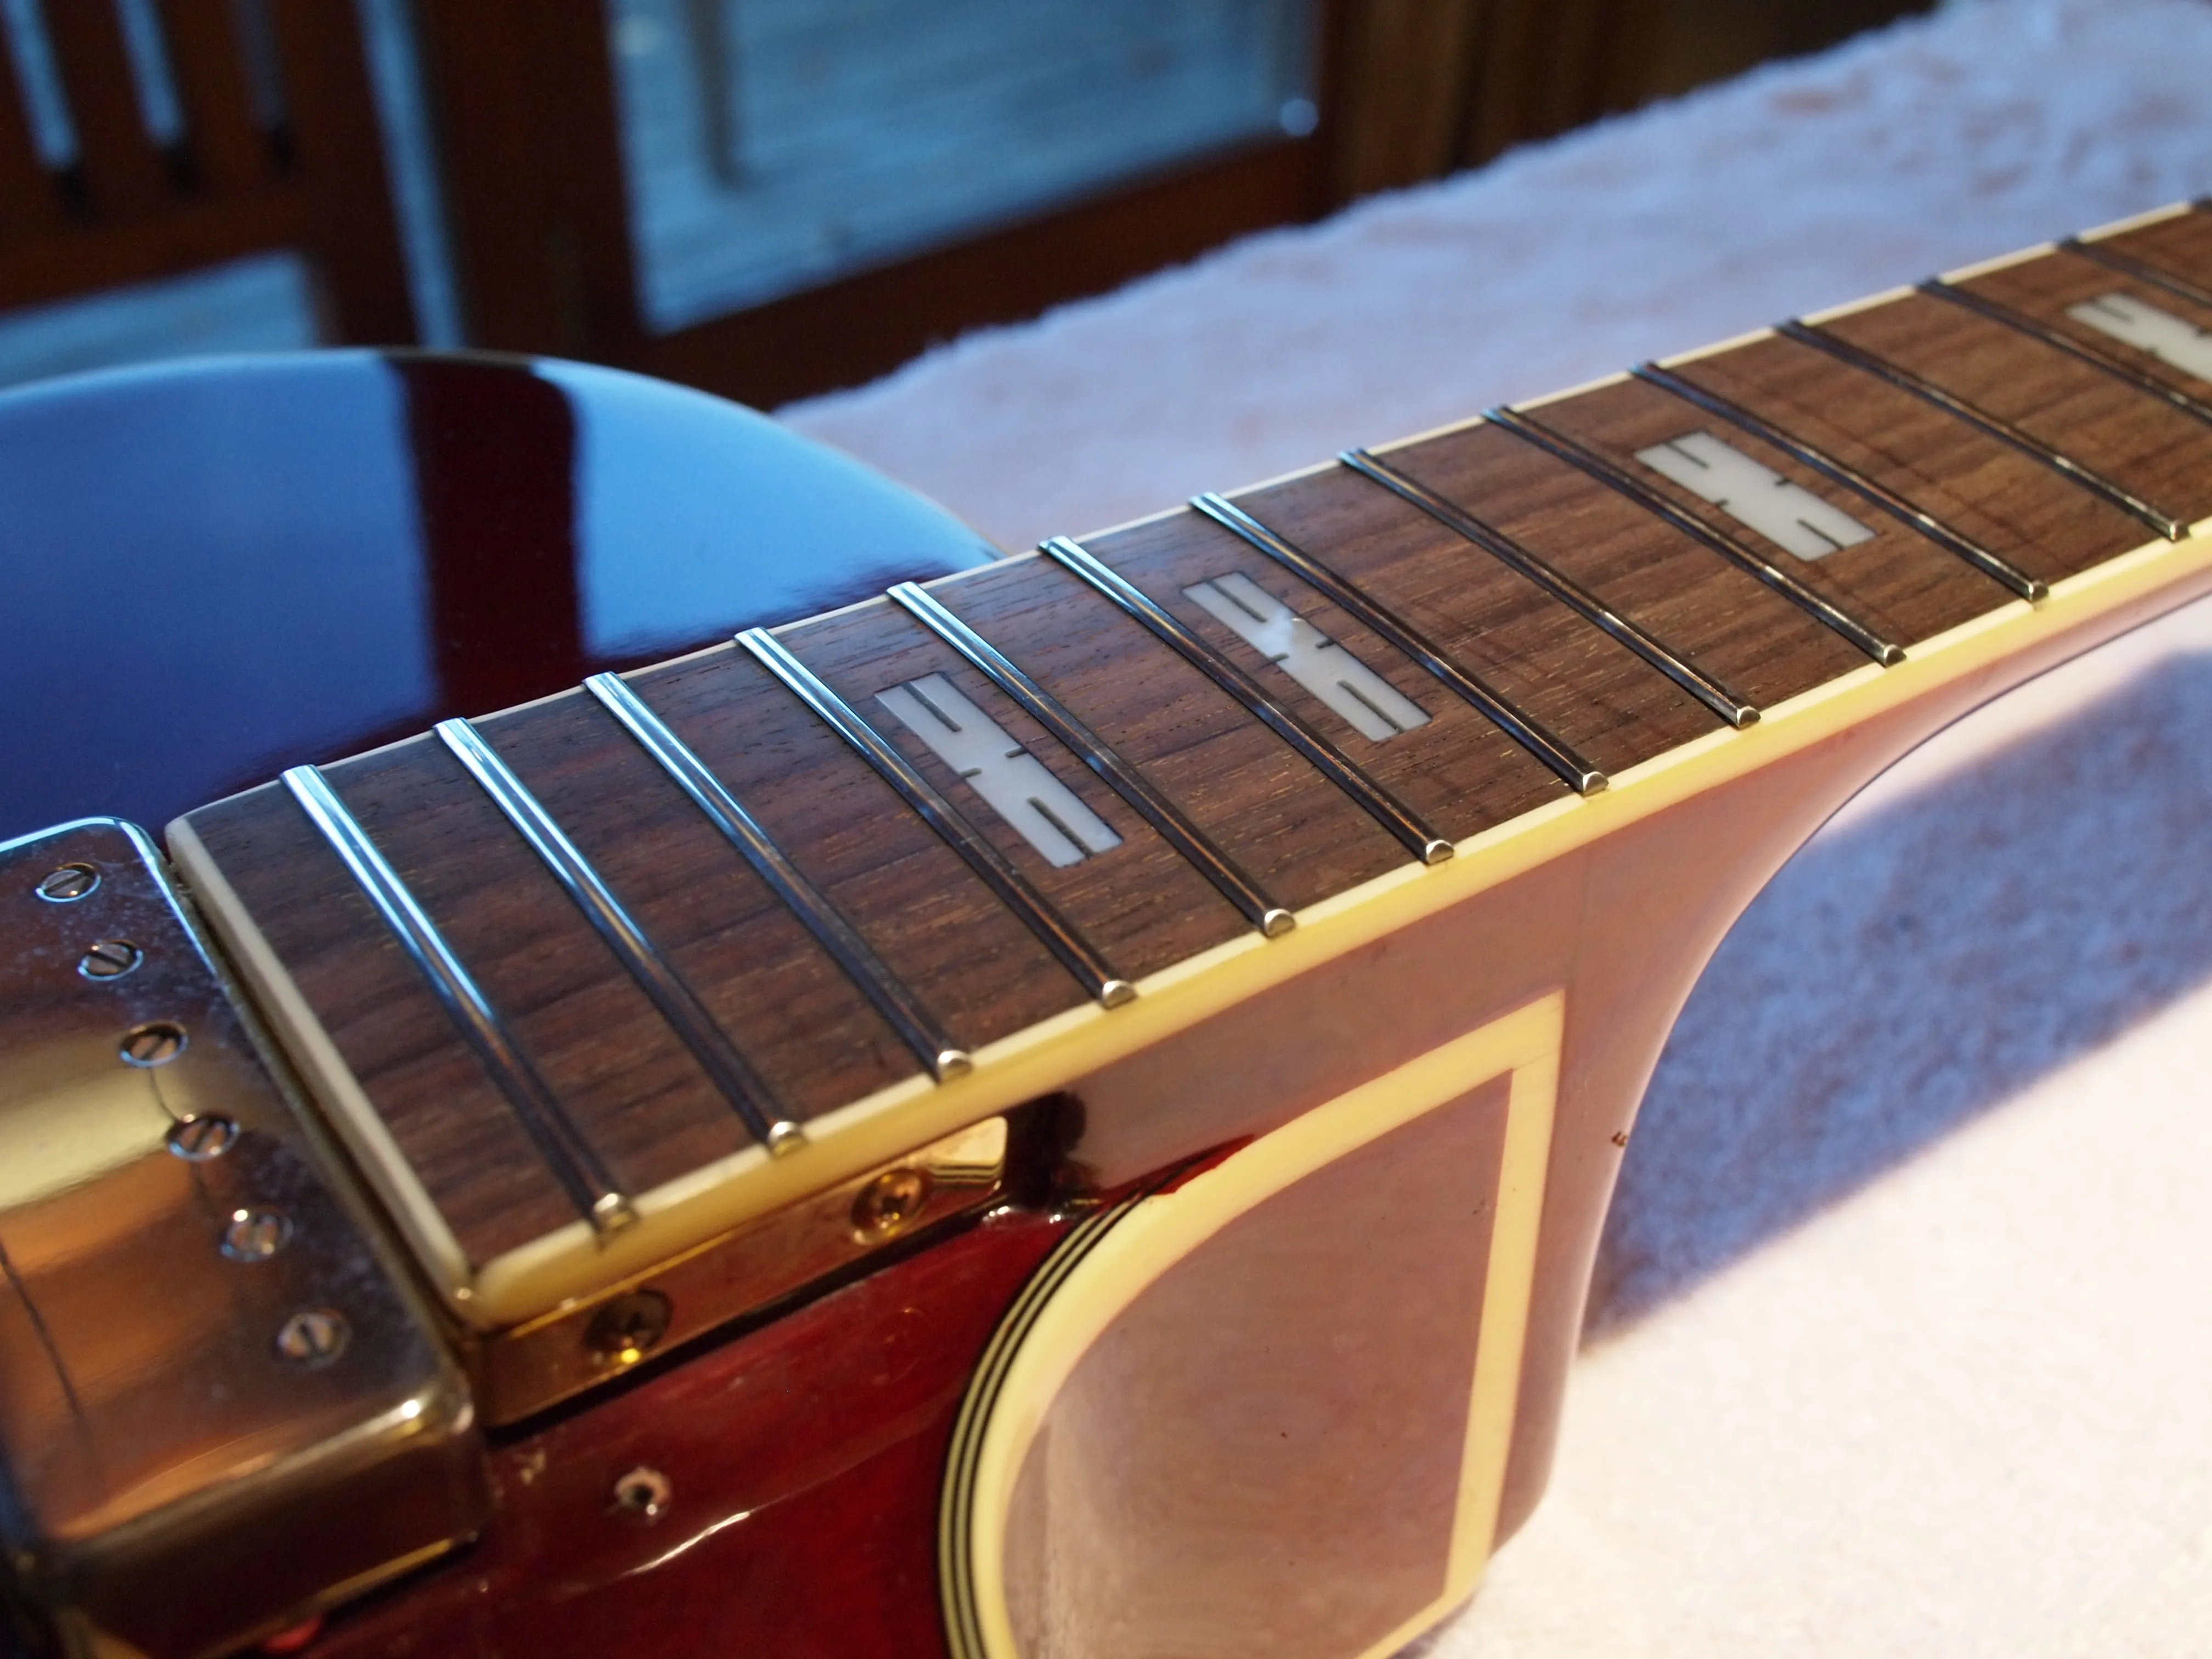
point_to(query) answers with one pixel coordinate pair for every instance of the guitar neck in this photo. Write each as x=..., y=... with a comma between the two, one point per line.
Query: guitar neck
x=589, y=982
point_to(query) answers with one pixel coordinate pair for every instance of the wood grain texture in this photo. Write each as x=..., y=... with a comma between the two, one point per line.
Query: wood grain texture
x=927, y=915
x=642, y=1101
x=1300, y=837
x=1704, y=609
x=2136, y=441
x=2043, y=289
x=1459, y=772
x=455, y=1131
x=1979, y=486
x=1140, y=902
x=2181, y=246
x=1901, y=582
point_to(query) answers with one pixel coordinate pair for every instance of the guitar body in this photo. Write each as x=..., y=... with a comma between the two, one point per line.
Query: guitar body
x=1158, y=1222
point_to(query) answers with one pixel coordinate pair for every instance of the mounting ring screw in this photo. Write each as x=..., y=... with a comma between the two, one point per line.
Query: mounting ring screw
x=313, y=1337
x=67, y=884
x=197, y=1139
x=889, y=1202
x=644, y=1493
x=255, y=1235
x=154, y=1043
x=110, y=958
x=628, y=1328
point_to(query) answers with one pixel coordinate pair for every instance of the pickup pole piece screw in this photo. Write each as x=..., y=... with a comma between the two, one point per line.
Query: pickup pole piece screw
x=110, y=958
x=197, y=1139
x=628, y=1328
x=255, y=1235
x=67, y=884
x=155, y=1043
x=643, y=1492
x=889, y=1202
x=313, y=1337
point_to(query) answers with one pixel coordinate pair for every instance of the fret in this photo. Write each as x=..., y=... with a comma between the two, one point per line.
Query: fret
x=2159, y=341
x=1443, y=761
x=603, y=937
x=1999, y=569
x=728, y=1070
x=1524, y=729
x=1298, y=836
x=2139, y=271
x=1598, y=696
x=1251, y=901
x=1323, y=754
x=2037, y=521
x=1130, y=893
x=1821, y=339
x=2081, y=351
x=566, y=1153
x=1718, y=698
x=1553, y=442
x=905, y=1013
x=2176, y=247
x=1013, y=890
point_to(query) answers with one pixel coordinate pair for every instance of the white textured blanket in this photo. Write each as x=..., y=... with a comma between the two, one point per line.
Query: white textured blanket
x=1903, y=1338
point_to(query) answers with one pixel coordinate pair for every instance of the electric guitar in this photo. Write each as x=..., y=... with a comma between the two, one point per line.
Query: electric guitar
x=1061, y=1105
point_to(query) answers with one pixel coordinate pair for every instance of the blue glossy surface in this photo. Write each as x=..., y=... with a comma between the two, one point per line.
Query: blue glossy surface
x=214, y=569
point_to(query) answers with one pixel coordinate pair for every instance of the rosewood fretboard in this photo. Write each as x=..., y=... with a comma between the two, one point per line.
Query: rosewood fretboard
x=722, y=917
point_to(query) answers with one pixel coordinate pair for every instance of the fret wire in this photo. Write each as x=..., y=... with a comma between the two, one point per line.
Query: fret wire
x=1887, y=652
x=2035, y=328
x=1013, y=889
x=1271, y=919
x=914, y=1024
x=725, y=1068
x=575, y=1164
x=1997, y=427
x=1556, y=582
x=1992, y=565
x=1379, y=803
x=2128, y=265
x=1524, y=729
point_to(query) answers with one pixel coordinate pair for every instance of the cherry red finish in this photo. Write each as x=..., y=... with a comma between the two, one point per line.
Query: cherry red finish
x=210, y=571
x=805, y=1459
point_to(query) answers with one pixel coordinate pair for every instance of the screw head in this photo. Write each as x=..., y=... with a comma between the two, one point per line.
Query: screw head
x=110, y=958
x=154, y=1043
x=67, y=884
x=644, y=1493
x=313, y=1337
x=628, y=1328
x=889, y=1202
x=197, y=1139
x=255, y=1235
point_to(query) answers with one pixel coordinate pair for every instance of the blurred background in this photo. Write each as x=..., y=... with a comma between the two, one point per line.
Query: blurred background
x=766, y=198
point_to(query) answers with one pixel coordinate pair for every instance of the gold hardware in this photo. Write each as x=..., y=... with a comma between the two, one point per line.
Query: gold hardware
x=529, y=1367
x=889, y=1202
x=625, y=1330
x=277, y=1426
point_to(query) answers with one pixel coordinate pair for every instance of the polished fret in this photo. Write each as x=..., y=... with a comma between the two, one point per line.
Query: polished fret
x=1822, y=339
x=1251, y=901
x=1556, y=582
x=2104, y=362
x=1013, y=889
x=1385, y=808
x=571, y=1158
x=2159, y=334
x=733, y=1078
x=904, y=1012
x=2128, y=265
x=1991, y=565
x=1884, y=652
x=1524, y=729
